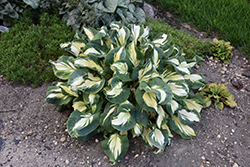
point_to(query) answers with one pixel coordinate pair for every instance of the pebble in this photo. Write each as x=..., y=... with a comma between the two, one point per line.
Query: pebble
x=218, y=136
x=203, y=157
x=67, y=161
x=235, y=165
x=62, y=139
x=96, y=140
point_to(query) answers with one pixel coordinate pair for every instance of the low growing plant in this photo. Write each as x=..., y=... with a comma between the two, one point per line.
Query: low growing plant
x=221, y=50
x=218, y=94
x=26, y=49
x=119, y=81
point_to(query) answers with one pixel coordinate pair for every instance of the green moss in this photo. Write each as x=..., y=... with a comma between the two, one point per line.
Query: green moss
x=26, y=49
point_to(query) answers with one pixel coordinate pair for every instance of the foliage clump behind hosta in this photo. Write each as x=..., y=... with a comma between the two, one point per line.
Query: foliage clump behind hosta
x=119, y=81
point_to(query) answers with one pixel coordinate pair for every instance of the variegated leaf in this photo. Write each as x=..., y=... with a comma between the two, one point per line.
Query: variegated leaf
x=184, y=130
x=73, y=47
x=114, y=55
x=124, y=119
x=137, y=130
x=94, y=101
x=161, y=118
x=106, y=116
x=188, y=117
x=117, y=94
x=145, y=35
x=91, y=84
x=197, y=81
x=115, y=146
x=172, y=107
x=143, y=73
x=134, y=55
x=135, y=32
x=171, y=76
x=193, y=104
x=145, y=100
x=90, y=33
x=178, y=89
x=81, y=124
x=121, y=69
x=158, y=138
x=80, y=105
x=144, y=138
x=56, y=95
x=162, y=40
x=64, y=67
x=170, y=135
x=89, y=63
x=122, y=36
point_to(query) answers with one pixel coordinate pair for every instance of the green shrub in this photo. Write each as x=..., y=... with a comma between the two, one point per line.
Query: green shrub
x=120, y=81
x=26, y=49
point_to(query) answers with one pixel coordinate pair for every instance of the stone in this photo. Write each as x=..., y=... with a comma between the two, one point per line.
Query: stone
x=235, y=165
x=148, y=9
x=246, y=74
x=4, y=29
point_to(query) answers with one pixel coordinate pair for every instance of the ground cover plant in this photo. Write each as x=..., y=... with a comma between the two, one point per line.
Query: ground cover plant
x=231, y=18
x=26, y=49
x=120, y=81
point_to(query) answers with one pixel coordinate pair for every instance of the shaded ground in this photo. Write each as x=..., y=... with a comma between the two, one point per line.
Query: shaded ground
x=32, y=132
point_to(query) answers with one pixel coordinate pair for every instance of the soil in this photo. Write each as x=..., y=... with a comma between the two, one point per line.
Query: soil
x=33, y=132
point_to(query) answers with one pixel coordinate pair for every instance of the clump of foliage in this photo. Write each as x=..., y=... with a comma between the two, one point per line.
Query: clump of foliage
x=96, y=13
x=190, y=45
x=217, y=93
x=11, y=9
x=79, y=13
x=221, y=50
x=26, y=49
x=121, y=81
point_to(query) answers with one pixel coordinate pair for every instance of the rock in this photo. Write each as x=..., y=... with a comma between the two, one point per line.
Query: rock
x=62, y=139
x=235, y=165
x=237, y=83
x=67, y=161
x=4, y=29
x=148, y=9
x=186, y=25
x=246, y=74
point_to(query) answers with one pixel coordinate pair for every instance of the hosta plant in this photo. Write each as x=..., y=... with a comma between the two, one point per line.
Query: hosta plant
x=221, y=50
x=119, y=81
x=217, y=93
